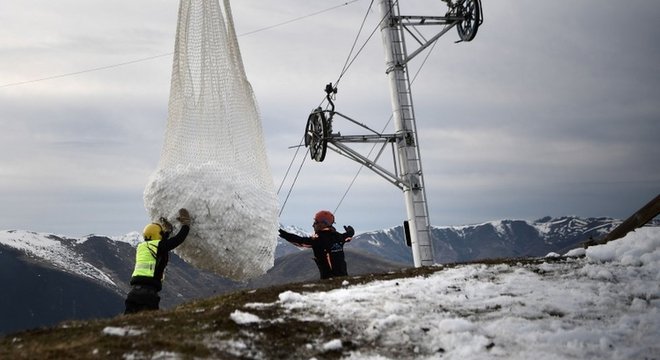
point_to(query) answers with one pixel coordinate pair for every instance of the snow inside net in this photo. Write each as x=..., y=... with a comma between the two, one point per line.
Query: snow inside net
x=213, y=161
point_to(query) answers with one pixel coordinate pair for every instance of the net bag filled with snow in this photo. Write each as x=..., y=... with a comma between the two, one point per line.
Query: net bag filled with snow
x=213, y=161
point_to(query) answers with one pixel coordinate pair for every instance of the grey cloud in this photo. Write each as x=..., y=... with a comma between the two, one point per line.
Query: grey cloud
x=552, y=110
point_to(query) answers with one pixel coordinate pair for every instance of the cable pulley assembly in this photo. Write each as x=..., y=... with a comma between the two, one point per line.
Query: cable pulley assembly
x=406, y=170
x=319, y=127
x=470, y=13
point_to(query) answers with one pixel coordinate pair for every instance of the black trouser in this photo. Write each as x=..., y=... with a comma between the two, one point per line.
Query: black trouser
x=141, y=298
x=332, y=265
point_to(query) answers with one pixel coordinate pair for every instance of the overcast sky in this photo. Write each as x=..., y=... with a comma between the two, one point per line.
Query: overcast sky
x=554, y=109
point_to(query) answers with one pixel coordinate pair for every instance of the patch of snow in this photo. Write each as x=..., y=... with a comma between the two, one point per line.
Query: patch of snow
x=605, y=305
x=235, y=347
x=295, y=230
x=257, y=306
x=374, y=242
x=390, y=232
x=500, y=227
x=242, y=318
x=546, y=228
x=166, y=355
x=159, y=355
x=463, y=227
x=577, y=252
x=331, y=345
x=122, y=331
x=133, y=238
x=290, y=297
x=543, y=228
x=604, y=228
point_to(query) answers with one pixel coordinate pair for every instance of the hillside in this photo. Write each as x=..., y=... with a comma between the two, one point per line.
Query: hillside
x=603, y=302
x=51, y=278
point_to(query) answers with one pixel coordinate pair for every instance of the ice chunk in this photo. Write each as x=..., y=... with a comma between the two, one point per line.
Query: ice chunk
x=234, y=220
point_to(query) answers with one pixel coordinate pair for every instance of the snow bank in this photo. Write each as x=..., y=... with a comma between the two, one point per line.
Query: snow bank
x=603, y=306
x=639, y=248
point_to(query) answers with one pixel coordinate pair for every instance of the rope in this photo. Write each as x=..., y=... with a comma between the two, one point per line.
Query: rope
x=290, y=164
x=347, y=63
x=293, y=183
x=85, y=71
x=299, y=18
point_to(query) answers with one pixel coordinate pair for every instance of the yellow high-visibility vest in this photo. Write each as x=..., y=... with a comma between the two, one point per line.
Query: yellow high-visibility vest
x=145, y=258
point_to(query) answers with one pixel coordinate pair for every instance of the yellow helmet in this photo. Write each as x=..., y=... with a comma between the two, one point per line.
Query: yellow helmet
x=153, y=231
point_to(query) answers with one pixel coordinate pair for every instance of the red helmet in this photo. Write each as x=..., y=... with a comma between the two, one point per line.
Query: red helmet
x=325, y=217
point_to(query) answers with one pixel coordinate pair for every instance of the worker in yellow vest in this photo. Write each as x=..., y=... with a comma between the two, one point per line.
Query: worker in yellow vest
x=151, y=258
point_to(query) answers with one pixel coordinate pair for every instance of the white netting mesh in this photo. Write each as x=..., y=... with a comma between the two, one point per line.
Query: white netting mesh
x=214, y=159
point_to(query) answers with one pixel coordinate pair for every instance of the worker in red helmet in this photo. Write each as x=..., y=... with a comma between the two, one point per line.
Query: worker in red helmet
x=326, y=243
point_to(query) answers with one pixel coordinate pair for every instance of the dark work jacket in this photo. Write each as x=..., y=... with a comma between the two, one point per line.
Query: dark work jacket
x=166, y=245
x=328, y=248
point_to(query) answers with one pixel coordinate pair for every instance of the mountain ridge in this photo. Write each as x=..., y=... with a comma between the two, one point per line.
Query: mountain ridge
x=105, y=263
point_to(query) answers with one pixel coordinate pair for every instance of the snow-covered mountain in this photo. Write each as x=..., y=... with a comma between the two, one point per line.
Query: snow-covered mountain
x=58, y=252
x=490, y=240
x=49, y=278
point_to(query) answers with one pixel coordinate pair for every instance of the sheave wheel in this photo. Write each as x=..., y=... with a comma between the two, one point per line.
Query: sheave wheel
x=471, y=13
x=316, y=135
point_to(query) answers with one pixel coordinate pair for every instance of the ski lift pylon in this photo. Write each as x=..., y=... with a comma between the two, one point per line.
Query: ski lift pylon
x=466, y=15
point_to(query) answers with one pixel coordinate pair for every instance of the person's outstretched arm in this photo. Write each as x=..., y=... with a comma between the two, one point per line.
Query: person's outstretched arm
x=296, y=240
x=176, y=240
x=172, y=242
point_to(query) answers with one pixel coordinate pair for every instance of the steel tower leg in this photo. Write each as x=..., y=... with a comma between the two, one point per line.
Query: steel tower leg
x=407, y=146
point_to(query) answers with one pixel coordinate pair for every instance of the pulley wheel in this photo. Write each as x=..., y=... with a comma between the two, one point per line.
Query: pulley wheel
x=467, y=28
x=316, y=135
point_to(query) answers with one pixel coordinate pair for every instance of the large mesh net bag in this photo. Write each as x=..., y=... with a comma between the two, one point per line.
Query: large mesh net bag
x=213, y=161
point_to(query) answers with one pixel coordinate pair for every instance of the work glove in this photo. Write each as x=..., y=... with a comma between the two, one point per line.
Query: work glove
x=349, y=231
x=184, y=217
x=167, y=226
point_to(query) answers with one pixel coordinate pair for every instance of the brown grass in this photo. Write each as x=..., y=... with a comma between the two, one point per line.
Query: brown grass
x=201, y=329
